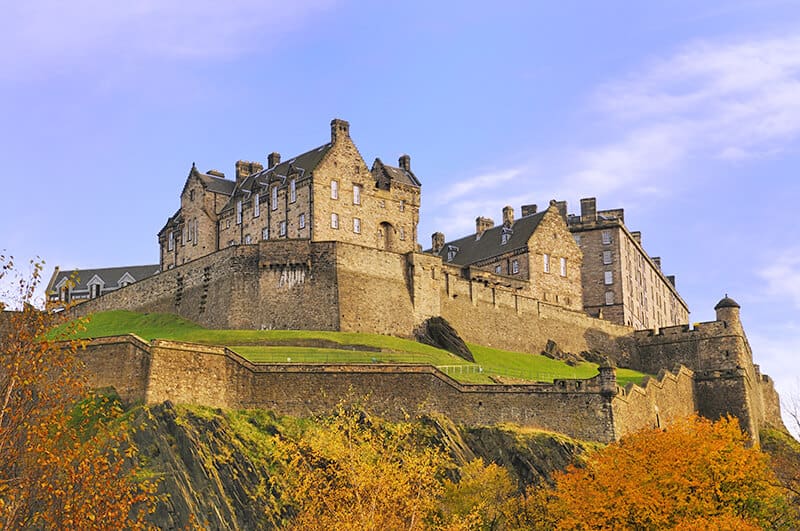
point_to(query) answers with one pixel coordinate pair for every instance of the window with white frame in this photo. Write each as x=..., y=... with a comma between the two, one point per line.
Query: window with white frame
x=608, y=277
x=357, y=225
x=239, y=212
x=402, y=233
x=514, y=267
x=248, y=239
x=256, y=206
x=452, y=250
x=275, y=197
x=546, y=263
x=171, y=241
x=292, y=191
x=265, y=233
x=196, y=230
x=334, y=189
x=498, y=269
x=402, y=205
x=563, y=266
x=231, y=243
x=334, y=220
x=282, y=229
x=94, y=291
x=606, y=235
x=302, y=221
x=356, y=194
x=609, y=298
x=606, y=257
x=577, y=238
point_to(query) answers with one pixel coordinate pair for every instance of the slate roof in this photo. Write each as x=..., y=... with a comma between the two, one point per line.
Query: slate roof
x=471, y=250
x=727, y=302
x=109, y=275
x=217, y=184
x=302, y=165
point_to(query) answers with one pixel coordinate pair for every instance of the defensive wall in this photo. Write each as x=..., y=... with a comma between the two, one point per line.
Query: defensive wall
x=299, y=284
x=595, y=409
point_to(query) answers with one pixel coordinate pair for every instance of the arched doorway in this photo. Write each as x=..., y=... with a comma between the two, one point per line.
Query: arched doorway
x=386, y=236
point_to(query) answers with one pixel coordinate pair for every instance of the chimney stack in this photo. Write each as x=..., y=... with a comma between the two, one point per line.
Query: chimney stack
x=339, y=129
x=588, y=209
x=561, y=206
x=437, y=242
x=657, y=260
x=481, y=224
x=508, y=216
x=637, y=236
x=405, y=162
x=273, y=159
x=246, y=168
x=528, y=210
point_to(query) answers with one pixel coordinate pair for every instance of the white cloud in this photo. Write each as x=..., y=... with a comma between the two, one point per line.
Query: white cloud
x=40, y=36
x=483, y=181
x=771, y=349
x=782, y=276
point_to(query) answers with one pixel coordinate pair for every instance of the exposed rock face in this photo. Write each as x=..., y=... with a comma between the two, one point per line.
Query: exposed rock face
x=437, y=332
x=552, y=351
x=216, y=475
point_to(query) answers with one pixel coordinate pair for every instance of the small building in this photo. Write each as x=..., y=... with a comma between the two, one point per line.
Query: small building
x=536, y=248
x=621, y=282
x=79, y=285
x=325, y=194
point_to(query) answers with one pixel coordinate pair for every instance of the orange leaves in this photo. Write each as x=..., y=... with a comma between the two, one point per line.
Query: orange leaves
x=59, y=462
x=673, y=478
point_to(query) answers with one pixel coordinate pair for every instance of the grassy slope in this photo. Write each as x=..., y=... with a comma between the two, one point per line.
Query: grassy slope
x=288, y=345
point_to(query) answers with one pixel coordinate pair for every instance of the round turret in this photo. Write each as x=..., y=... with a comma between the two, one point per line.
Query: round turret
x=727, y=310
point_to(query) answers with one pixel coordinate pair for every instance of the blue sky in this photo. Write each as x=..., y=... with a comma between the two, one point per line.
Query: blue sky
x=687, y=114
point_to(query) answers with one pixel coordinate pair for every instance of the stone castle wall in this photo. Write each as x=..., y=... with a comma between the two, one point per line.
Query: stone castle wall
x=594, y=409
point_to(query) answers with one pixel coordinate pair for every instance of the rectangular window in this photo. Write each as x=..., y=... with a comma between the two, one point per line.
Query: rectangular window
x=356, y=194
x=546, y=263
x=608, y=278
x=609, y=298
x=515, y=267
x=334, y=189
x=606, y=237
x=334, y=220
x=282, y=231
x=171, y=241
x=606, y=257
x=292, y=191
x=402, y=205
x=275, y=197
x=577, y=238
x=196, y=230
x=247, y=239
x=402, y=232
x=256, y=206
x=498, y=269
x=183, y=236
x=302, y=221
x=563, y=263
x=357, y=225
x=239, y=212
x=265, y=233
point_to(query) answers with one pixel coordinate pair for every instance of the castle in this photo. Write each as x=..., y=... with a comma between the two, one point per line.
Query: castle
x=322, y=242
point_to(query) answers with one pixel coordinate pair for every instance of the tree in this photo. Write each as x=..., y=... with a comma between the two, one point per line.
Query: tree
x=683, y=477
x=63, y=450
x=351, y=471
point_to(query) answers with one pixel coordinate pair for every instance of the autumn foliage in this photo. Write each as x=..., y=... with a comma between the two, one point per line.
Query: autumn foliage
x=65, y=454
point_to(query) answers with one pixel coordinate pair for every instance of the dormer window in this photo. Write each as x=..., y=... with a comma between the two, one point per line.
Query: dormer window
x=506, y=235
x=95, y=287
x=452, y=250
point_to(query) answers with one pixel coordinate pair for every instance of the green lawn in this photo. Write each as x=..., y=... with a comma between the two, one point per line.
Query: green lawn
x=299, y=346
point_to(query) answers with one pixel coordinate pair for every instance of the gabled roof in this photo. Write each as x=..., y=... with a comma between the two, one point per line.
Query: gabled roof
x=217, y=184
x=302, y=165
x=110, y=276
x=383, y=173
x=471, y=249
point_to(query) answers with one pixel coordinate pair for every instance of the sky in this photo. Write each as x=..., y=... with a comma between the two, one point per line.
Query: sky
x=686, y=114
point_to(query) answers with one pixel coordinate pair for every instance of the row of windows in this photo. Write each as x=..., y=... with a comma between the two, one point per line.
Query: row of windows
x=514, y=269
x=562, y=263
x=190, y=234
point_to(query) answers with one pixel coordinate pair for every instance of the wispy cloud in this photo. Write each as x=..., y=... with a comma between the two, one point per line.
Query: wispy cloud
x=39, y=37
x=782, y=276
